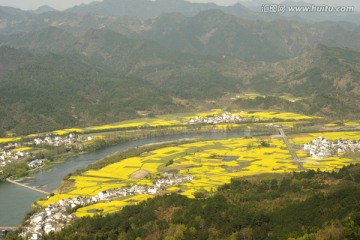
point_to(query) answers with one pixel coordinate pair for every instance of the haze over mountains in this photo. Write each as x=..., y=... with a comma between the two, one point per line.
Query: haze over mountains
x=108, y=60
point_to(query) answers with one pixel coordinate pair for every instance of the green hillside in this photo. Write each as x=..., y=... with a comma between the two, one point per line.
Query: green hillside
x=107, y=77
x=58, y=91
x=306, y=205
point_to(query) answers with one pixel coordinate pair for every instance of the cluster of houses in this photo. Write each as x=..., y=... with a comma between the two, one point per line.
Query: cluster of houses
x=8, y=155
x=51, y=219
x=57, y=215
x=225, y=117
x=321, y=147
x=142, y=189
x=68, y=141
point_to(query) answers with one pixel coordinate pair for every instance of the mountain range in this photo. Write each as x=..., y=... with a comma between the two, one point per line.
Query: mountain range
x=107, y=61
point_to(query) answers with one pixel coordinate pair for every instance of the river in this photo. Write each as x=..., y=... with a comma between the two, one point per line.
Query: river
x=15, y=201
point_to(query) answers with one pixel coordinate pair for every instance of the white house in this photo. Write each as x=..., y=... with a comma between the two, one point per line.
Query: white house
x=35, y=236
x=49, y=228
x=104, y=194
x=152, y=190
x=37, y=219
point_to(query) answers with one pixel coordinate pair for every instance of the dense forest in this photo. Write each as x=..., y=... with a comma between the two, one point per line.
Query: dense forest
x=304, y=205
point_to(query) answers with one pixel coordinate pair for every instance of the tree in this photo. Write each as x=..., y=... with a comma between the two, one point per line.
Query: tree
x=264, y=144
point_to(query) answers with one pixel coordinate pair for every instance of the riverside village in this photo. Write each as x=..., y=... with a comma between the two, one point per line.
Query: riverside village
x=15, y=151
x=57, y=215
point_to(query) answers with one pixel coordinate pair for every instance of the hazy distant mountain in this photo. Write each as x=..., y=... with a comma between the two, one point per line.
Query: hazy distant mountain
x=49, y=39
x=214, y=32
x=143, y=9
x=44, y=9
x=322, y=70
x=320, y=16
x=12, y=14
x=257, y=6
x=210, y=32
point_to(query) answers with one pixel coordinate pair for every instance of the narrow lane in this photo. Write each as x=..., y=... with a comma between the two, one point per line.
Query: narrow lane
x=292, y=152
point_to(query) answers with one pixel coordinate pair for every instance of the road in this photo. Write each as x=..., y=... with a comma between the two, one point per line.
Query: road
x=26, y=186
x=292, y=152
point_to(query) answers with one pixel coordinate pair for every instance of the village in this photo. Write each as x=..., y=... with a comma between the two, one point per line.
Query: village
x=72, y=140
x=8, y=156
x=322, y=148
x=225, y=117
x=57, y=215
x=9, y=153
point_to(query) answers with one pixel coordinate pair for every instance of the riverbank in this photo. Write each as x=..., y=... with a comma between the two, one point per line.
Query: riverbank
x=50, y=179
x=118, y=137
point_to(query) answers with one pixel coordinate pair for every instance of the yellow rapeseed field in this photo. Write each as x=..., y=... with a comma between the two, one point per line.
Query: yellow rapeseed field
x=182, y=119
x=306, y=138
x=110, y=207
x=211, y=163
x=7, y=140
x=21, y=149
x=68, y=131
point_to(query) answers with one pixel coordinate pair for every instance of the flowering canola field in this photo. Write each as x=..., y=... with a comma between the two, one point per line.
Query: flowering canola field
x=183, y=119
x=324, y=164
x=211, y=163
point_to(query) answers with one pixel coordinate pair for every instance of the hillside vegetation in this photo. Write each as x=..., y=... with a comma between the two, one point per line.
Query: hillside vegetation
x=305, y=205
x=67, y=69
x=54, y=91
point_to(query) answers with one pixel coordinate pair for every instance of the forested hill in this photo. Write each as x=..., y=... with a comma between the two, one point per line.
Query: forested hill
x=107, y=77
x=306, y=205
x=49, y=92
